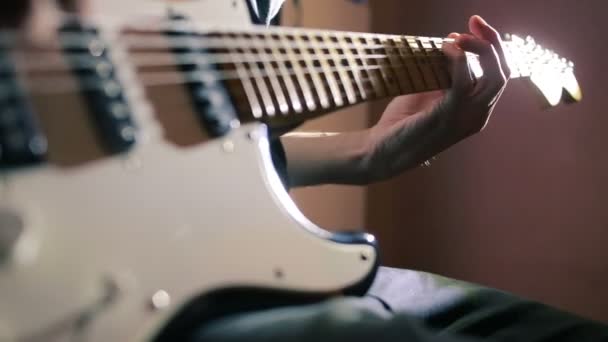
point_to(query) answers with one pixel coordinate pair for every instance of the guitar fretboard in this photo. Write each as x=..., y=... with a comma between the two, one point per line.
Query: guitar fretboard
x=310, y=73
x=285, y=74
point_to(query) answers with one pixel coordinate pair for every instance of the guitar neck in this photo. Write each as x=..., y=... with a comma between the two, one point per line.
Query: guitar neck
x=289, y=75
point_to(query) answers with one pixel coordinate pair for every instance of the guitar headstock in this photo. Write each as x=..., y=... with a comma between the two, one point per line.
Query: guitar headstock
x=552, y=74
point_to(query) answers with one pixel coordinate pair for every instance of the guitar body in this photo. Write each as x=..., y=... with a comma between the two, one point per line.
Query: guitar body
x=119, y=249
x=138, y=195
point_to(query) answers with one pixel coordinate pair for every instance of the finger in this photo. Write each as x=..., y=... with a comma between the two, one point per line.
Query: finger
x=462, y=81
x=488, y=59
x=482, y=30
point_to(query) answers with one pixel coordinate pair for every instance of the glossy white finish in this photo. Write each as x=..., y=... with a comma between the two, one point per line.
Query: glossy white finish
x=128, y=240
x=209, y=12
x=184, y=221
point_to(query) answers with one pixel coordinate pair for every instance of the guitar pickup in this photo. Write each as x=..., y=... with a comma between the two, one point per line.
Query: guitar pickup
x=21, y=140
x=205, y=86
x=100, y=87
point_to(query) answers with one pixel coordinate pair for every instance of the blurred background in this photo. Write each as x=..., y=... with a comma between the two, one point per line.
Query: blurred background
x=522, y=206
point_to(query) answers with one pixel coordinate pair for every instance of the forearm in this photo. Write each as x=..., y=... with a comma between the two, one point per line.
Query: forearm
x=326, y=158
x=363, y=157
x=413, y=128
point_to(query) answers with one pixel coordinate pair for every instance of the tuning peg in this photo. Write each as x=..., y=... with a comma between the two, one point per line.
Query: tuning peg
x=530, y=41
x=556, y=58
x=517, y=40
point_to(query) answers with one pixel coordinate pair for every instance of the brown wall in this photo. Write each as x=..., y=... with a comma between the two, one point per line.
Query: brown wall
x=333, y=207
x=524, y=205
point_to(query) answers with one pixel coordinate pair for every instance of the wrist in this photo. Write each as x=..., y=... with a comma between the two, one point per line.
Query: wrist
x=394, y=148
x=327, y=158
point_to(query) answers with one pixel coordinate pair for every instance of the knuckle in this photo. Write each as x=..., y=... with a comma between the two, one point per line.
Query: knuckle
x=494, y=36
x=480, y=123
x=498, y=80
x=486, y=46
x=499, y=85
x=507, y=73
x=503, y=80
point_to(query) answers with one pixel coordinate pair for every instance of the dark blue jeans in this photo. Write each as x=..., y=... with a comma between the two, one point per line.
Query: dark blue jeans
x=411, y=306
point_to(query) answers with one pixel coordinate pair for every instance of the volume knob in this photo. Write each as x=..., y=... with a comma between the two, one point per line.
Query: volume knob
x=11, y=230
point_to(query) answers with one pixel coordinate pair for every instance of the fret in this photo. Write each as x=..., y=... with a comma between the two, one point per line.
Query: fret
x=338, y=54
x=284, y=74
x=369, y=83
x=408, y=60
x=441, y=63
x=433, y=58
x=353, y=69
x=362, y=63
x=273, y=79
x=248, y=88
x=423, y=63
x=306, y=61
x=396, y=65
x=389, y=83
x=327, y=73
x=292, y=63
x=259, y=81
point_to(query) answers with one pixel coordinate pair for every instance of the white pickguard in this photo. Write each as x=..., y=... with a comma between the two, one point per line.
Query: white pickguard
x=175, y=222
x=210, y=12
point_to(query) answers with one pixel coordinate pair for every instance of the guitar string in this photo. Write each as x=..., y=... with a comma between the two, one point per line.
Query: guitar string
x=212, y=58
x=202, y=42
x=176, y=78
x=49, y=62
x=74, y=87
x=157, y=38
x=263, y=38
x=191, y=77
x=252, y=60
x=165, y=78
x=50, y=84
x=207, y=42
x=241, y=96
x=192, y=29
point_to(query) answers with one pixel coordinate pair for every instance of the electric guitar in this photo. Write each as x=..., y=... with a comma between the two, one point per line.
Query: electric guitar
x=137, y=193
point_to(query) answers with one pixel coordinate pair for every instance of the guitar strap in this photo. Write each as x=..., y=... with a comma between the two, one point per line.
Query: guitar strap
x=265, y=11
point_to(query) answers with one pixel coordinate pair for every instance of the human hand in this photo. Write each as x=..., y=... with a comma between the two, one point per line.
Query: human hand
x=416, y=127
